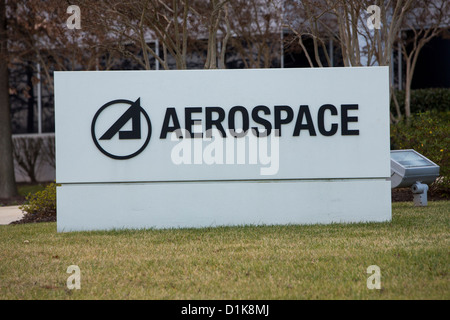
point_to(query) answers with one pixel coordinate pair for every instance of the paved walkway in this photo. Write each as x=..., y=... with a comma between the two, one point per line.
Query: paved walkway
x=10, y=214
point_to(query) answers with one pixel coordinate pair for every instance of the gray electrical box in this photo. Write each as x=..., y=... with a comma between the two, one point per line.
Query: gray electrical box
x=411, y=169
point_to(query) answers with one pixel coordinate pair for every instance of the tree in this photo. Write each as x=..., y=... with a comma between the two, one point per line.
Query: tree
x=7, y=180
x=133, y=23
x=360, y=43
x=315, y=21
x=35, y=32
x=212, y=17
x=256, y=30
x=40, y=35
x=425, y=22
x=185, y=29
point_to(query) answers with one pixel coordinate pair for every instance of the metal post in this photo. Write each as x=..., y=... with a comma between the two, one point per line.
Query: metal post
x=39, y=99
x=420, y=194
x=392, y=68
x=282, y=49
x=399, y=52
x=157, y=53
x=330, y=44
x=219, y=51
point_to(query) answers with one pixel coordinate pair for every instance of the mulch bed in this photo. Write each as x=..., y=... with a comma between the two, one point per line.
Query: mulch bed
x=34, y=218
x=405, y=195
x=398, y=195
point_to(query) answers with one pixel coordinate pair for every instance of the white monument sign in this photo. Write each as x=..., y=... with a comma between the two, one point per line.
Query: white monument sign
x=163, y=149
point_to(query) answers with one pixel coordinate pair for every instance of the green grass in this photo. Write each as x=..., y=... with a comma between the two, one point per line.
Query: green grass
x=248, y=262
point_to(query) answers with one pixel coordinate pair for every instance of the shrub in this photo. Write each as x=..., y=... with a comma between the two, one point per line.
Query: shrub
x=436, y=99
x=41, y=203
x=429, y=134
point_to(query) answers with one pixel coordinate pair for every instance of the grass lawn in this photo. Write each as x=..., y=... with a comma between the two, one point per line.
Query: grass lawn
x=248, y=262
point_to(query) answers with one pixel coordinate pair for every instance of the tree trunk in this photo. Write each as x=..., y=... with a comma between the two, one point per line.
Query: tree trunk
x=7, y=180
x=408, y=89
x=30, y=100
x=408, y=100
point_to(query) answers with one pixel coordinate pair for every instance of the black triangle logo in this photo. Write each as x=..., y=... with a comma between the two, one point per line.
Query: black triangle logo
x=133, y=113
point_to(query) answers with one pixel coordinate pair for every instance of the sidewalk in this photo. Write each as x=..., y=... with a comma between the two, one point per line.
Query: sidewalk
x=10, y=214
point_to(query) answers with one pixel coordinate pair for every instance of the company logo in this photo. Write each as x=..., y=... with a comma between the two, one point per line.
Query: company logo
x=121, y=129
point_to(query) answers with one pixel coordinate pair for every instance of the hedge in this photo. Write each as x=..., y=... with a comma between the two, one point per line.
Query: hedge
x=429, y=134
x=436, y=99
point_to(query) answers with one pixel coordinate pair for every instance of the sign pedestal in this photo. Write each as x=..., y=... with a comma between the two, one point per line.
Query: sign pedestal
x=210, y=204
